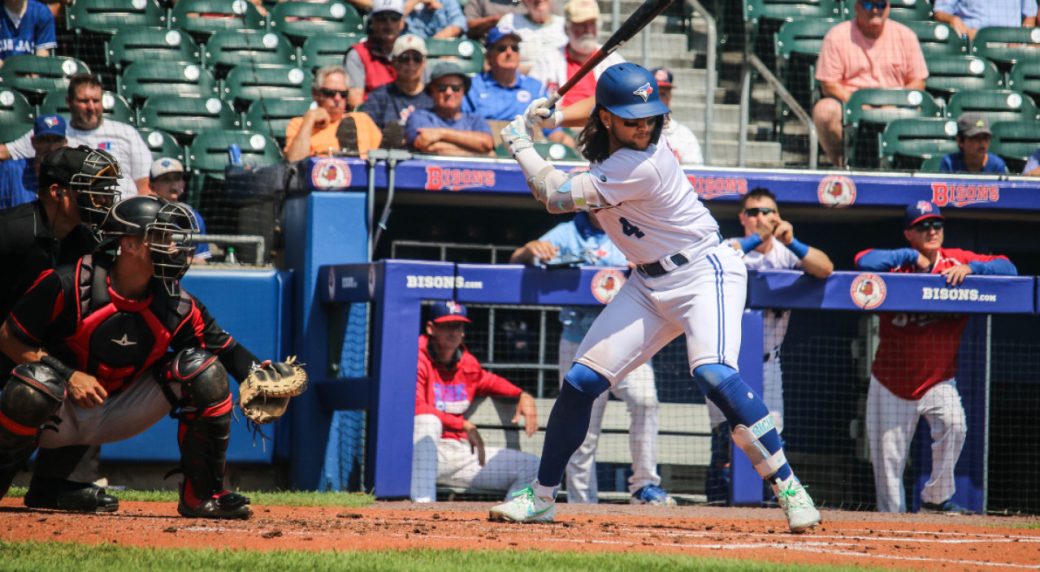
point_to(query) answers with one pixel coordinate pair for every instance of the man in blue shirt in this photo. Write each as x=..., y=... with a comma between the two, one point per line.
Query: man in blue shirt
x=435, y=18
x=392, y=103
x=445, y=129
x=26, y=27
x=502, y=92
x=973, y=137
x=967, y=17
x=18, y=176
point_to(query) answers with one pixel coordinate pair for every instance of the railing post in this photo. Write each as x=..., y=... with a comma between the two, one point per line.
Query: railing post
x=710, y=80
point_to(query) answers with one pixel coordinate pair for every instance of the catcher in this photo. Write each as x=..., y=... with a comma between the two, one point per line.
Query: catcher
x=92, y=342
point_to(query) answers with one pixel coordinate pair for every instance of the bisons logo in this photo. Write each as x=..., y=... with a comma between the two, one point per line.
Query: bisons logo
x=330, y=174
x=606, y=284
x=708, y=188
x=868, y=291
x=836, y=191
x=959, y=195
x=449, y=179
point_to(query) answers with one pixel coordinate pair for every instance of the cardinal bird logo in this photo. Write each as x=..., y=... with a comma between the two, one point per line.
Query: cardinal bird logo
x=644, y=91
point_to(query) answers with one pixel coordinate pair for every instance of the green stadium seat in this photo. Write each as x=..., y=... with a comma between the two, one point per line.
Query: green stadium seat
x=950, y=74
x=105, y=17
x=185, y=116
x=465, y=52
x=1005, y=46
x=272, y=116
x=112, y=104
x=906, y=143
x=246, y=84
x=867, y=113
x=931, y=164
x=16, y=115
x=225, y=50
x=36, y=76
x=901, y=10
x=797, y=47
x=129, y=46
x=762, y=19
x=203, y=18
x=1025, y=77
x=995, y=104
x=937, y=39
x=208, y=152
x=302, y=20
x=143, y=80
x=162, y=144
x=327, y=49
x=1015, y=141
x=547, y=149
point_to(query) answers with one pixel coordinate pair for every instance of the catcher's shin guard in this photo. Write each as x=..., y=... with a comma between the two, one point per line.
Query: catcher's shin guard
x=31, y=396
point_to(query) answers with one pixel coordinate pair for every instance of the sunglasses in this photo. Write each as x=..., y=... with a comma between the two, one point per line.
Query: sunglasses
x=386, y=17
x=443, y=87
x=755, y=211
x=330, y=93
x=632, y=124
x=501, y=48
x=870, y=6
x=927, y=225
x=410, y=58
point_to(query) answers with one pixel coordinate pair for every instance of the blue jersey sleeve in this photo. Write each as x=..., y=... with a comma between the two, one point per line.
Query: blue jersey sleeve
x=995, y=267
x=45, y=37
x=886, y=260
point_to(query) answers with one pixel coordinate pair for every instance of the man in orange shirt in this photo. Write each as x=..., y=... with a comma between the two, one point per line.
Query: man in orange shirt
x=867, y=52
x=325, y=128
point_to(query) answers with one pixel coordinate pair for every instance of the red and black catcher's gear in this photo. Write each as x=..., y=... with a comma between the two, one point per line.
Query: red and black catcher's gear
x=31, y=396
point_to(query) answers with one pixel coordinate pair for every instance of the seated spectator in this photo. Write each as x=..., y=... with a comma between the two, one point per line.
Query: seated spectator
x=502, y=93
x=435, y=18
x=390, y=105
x=447, y=449
x=368, y=61
x=543, y=35
x=167, y=179
x=683, y=142
x=17, y=180
x=867, y=52
x=1032, y=167
x=582, y=29
x=26, y=27
x=328, y=127
x=967, y=17
x=973, y=137
x=445, y=129
x=482, y=15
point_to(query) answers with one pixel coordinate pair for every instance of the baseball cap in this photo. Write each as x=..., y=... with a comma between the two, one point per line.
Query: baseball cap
x=388, y=6
x=919, y=211
x=408, y=43
x=972, y=124
x=663, y=76
x=449, y=311
x=581, y=10
x=499, y=32
x=164, y=166
x=49, y=125
x=446, y=68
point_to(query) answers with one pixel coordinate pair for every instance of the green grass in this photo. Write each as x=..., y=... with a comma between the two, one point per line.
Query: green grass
x=35, y=556
x=276, y=498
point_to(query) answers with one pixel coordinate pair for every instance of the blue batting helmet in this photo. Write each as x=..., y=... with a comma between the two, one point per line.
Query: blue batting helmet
x=629, y=91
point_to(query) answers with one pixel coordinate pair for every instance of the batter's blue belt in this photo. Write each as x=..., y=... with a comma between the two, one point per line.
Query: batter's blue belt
x=655, y=269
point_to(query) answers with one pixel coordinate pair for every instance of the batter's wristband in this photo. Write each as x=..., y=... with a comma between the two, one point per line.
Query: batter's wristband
x=56, y=364
x=799, y=249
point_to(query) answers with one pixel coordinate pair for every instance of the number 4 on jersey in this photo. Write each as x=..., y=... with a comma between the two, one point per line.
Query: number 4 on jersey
x=630, y=229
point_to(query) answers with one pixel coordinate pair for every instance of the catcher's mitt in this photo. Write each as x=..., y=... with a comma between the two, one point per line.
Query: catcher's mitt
x=264, y=395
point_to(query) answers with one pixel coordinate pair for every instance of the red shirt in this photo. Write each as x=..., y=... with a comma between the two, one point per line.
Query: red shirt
x=378, y=69
x=586, y=87
x=448, y=391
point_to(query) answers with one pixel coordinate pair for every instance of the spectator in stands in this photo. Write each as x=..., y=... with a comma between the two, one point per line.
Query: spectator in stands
x=447, y=448
x=390, y=105
x=89, y=127
x=435, y=18
x=967, y=17
x=543, y=35
x=913, y=375
x=48, y=135
x=581, y=28
x=445, y=129
x=502, y=92
x=368, y=61
x=482, y=15
x=581, y=241
x=768, y=243
x=329, y=127
x=973, y=137
x=683, y=142
x=167, y=179
x=1032, y=167
x=868, y=52
x=26, y=27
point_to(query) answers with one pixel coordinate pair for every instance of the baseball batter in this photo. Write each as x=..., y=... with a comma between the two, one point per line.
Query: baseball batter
x=913, y=375
x=687, y=281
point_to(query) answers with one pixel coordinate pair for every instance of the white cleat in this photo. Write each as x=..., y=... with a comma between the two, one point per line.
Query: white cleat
x=525, y=506
x=797, y=504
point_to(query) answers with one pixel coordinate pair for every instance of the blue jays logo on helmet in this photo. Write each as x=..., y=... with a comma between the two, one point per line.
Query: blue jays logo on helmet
x=644, y=91
x=629, y=91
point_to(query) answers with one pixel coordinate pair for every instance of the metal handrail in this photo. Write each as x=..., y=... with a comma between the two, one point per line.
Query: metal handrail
x=792, y=103
x=710, y=80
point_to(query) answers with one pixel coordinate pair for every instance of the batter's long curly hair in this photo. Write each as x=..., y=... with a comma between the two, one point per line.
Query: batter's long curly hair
x=594, y=139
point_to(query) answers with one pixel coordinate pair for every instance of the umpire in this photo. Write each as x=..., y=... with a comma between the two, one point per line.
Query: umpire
x=77, y=187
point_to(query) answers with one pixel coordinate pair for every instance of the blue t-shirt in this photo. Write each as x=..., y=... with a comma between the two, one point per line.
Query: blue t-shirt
x=35, y=31
x=13, y=189
x=954, y=163
x=978, y=14
x=427, y=118
x=578, y=238
x=424, y=22
x=492, y=100
x=388, y=104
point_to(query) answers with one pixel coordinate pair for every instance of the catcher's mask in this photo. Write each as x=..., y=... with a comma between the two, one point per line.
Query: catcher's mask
x=167, y=228
x=93, y=174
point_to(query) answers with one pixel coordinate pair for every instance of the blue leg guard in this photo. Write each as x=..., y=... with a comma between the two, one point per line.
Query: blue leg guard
x=569, y=421
x=753, y=428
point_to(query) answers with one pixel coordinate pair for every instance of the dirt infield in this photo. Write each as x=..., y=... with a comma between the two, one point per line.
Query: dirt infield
x=933, y=542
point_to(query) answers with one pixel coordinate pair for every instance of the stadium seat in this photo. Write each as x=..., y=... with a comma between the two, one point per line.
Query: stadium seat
x=36, y=76
x=162, y=144
x=302, y=20
x=1015, y=141
x=203, y=18
x=272, y=116
x=326, y=49
x=797, y=47
x=906, y=143
x=246, y=84
x=16, y=115
x=547, y=149
x=762, y=18
x=1005, y=46
x=143, y=80
x=1025, y=77
x=113, y=105
x=931, y=164
x=995, y=104
x=467, y=53
x=185, y=116
x=128, y=46
x=950, y=74
x=901, y=10
x=937, y=39
x=225, y=50
x=867, y=113
x=208, y=153
x=105, y=17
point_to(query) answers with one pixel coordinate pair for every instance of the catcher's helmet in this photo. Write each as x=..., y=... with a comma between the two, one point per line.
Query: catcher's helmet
x=92, y=173
x=166, y=226
x=629, y=91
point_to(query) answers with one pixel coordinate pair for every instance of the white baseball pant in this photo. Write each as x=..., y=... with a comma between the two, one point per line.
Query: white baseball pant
x=891, y=422
x=451, y=463
x=639, y=393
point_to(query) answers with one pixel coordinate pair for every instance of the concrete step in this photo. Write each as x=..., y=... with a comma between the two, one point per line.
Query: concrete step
x=759, y=154
x=690, y=111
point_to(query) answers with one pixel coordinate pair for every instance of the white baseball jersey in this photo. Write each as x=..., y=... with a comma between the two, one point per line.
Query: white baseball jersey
x=774, y=322
x=540, y=44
